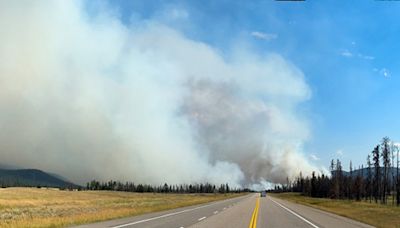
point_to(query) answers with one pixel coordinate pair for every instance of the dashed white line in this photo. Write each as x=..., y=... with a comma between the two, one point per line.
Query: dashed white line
x=224, y=208
x=294, y=213
x=201, y=218
x=172, y=214
x=169, y=214
x=215, y=212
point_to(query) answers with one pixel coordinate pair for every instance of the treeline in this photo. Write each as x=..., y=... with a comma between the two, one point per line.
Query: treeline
x=378, y=181
x=165, y=188
x=17, y=183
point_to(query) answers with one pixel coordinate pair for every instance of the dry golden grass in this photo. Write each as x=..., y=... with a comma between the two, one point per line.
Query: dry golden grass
x=33, y=207
x=385, y=216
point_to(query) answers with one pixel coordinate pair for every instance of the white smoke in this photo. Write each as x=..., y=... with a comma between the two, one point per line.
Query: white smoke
x=89, y=97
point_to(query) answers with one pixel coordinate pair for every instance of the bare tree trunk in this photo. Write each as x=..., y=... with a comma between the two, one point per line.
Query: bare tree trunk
x=393, y=181
x=397, y=180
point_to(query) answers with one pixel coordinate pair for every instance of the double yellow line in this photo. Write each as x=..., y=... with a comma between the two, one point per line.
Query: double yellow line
x=253, y=221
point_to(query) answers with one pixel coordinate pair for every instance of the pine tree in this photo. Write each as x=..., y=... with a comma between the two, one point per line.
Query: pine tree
x=386, y=166
x=313, y=185
x=339, y=174
x=335, y=181
x=350, y=186
x=376, y=179
x=393, y=181
x=369, y=178
x=397, y=179
x=357, y=186
x=362, y=186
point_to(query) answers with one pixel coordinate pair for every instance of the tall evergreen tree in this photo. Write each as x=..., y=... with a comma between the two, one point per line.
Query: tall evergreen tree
x=350, y=186
x=393, y=180
x=369, y=185
x=376, y=179
x=313, y=185
x=357, y=186
x=386, y=167
x=340, y=178
x=397, y=179
x=362, y=187
x=335, y=181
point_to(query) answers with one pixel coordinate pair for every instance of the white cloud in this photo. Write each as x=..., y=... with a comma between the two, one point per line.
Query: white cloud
x=346, y=53
x=264, y=36
x=385, y=72
x=314, y=157
x=170, y=15
x=339, y=152
x=178, y=13
x=367, y=57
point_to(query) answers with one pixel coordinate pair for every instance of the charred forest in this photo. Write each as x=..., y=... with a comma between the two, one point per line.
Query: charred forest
x=377, y=181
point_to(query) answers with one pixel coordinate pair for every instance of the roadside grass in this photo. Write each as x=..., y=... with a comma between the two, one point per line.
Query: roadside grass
x=385, y=216
x=34, y=207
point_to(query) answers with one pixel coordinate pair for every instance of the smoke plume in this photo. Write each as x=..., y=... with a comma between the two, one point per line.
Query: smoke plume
x=87, y=96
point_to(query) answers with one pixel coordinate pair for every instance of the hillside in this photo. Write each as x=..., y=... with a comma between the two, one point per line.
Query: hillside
x=31, y=178
x=364, y=173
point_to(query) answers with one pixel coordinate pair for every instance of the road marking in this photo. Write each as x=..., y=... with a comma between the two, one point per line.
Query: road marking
x=253, y=221
x=224, y=208
x=170, y=214
x=215, y=212
x=201, y=218
x=294, y=213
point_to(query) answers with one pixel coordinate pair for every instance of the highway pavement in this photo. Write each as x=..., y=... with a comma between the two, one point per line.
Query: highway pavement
x=250, y=211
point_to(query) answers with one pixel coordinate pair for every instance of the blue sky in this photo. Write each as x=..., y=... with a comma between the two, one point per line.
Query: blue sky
x=348, y=51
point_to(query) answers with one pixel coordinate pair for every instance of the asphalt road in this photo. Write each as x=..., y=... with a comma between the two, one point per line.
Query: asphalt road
x=249, y=211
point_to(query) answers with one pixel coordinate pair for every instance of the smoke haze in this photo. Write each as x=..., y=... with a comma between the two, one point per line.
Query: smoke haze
x=87, y=96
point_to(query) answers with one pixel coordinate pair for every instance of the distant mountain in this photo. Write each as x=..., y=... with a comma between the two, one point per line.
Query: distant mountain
x=5, y=166
x=32, y=178
x=364, y=172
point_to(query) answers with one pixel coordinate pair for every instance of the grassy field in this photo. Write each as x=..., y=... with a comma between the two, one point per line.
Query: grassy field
x=33, y=207
x=385, y=216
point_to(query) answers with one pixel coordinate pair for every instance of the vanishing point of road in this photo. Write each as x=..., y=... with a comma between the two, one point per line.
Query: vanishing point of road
x=250, y=211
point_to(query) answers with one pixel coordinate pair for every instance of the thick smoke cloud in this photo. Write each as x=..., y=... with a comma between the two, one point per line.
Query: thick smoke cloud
x=88, y=97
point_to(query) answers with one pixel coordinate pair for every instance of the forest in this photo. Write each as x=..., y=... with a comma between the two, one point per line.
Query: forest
x=165, y=188
x=378, y=181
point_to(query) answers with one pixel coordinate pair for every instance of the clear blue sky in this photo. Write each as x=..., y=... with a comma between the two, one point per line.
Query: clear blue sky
x=349, y=52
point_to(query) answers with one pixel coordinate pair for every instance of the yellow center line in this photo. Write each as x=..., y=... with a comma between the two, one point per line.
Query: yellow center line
x=253, y=221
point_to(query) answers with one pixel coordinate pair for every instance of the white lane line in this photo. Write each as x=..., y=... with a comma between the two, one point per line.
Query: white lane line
x=224, y=208
x=170, y=214
x=158, y=217
x=215, y=212
x=201, y=218
x=294, y=213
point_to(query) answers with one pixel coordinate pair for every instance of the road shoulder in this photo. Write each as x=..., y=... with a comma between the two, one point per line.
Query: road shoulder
x=319, y=217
